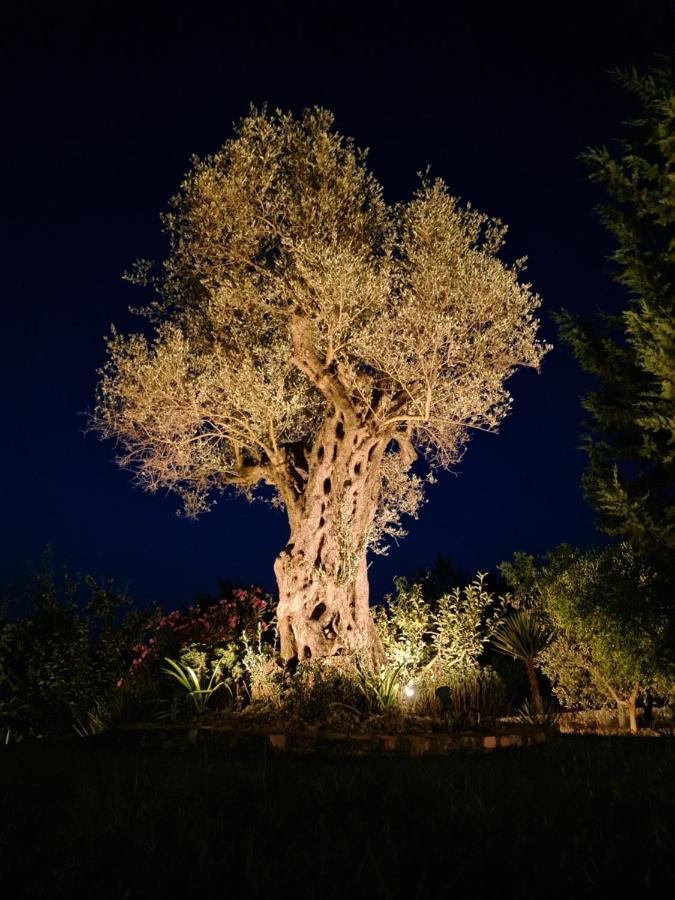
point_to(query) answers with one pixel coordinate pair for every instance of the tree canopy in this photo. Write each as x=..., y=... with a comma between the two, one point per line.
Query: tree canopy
x=292, y=287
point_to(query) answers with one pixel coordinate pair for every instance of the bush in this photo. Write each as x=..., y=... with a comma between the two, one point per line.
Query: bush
x=463, y=623
x=202, y=627
x=63, y=657
x=210, y=637
x=433, y=643
x=404, y=624
x=264, y=673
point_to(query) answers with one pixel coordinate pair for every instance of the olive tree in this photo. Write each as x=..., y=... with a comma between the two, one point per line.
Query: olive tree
x=310, y=336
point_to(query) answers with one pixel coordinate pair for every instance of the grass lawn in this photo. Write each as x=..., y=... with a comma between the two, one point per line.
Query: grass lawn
x=579, y=817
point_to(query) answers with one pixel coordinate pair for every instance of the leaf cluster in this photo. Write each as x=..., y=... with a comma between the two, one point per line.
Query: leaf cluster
x=445, y=636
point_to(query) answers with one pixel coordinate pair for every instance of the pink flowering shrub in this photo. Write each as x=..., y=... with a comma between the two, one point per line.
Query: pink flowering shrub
x=203, y=627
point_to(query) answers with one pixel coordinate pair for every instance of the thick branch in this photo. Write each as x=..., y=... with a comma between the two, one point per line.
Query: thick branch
x=326, y=378
x=406, y=449
x=250, y=475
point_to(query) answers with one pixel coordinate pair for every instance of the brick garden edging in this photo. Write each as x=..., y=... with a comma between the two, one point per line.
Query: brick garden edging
x=327, y=742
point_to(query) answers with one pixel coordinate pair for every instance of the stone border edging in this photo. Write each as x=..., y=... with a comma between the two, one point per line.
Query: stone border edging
x=334, y=743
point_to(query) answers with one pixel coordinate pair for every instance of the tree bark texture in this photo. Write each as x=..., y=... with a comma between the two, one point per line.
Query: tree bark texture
x=632, y=710
x=322, y=573
x=628, y=710
x=534, y=688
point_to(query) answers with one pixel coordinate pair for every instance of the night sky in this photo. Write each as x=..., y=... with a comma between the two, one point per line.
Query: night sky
x=103, y=108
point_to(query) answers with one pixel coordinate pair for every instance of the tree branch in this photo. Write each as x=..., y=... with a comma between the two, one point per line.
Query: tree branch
x=326, y=379
x=405, y=446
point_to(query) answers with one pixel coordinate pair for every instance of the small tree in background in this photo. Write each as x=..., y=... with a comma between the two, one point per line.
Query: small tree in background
x=610, y=633
x=312, y=338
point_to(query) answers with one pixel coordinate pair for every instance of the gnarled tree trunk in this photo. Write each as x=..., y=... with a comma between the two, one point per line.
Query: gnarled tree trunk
x=322, y=573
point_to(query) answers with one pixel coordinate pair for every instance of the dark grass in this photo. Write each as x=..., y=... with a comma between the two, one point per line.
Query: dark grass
x=580, y=817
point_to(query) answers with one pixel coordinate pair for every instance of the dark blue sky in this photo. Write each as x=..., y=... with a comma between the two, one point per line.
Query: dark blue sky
x=103, y=107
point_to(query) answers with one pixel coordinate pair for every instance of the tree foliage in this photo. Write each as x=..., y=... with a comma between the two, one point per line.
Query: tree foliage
x=630, y=478
x=291, y=288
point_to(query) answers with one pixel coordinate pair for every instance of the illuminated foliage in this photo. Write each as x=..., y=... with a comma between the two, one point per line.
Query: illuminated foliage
x=440, y=639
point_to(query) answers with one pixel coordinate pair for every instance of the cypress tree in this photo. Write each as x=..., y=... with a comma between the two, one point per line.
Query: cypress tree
x=630, y=436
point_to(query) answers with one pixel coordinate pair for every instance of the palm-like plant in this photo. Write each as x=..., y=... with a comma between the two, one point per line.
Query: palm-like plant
x=522, y=637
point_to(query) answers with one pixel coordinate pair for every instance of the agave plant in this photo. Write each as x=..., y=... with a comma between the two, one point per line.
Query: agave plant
x=198, y=690
x=522, y=637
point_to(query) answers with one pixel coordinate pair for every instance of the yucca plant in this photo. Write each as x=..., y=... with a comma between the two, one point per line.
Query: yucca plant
x=522, y=637
x=198, y=690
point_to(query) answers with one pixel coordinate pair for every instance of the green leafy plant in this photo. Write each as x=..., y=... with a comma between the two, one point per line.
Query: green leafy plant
x=259, y=664
x=462, y=623
x=381, y=690
x=66, y=649
x=198, y=689
x=523, y=637
x=404, y=625
x=433, y=640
